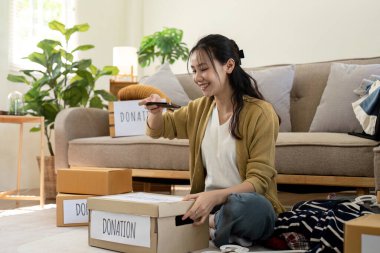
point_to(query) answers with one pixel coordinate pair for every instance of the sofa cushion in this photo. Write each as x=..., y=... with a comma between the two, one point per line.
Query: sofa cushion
x=296, y=153
x=337, y=98
x=166, y=81
x=335, y=154
x=129, y=152
x=275, y=83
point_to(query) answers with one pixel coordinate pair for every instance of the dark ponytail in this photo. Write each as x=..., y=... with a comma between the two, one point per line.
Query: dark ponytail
x=222, y=49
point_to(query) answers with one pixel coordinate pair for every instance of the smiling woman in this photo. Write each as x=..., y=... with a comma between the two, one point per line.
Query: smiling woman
x=29, y=24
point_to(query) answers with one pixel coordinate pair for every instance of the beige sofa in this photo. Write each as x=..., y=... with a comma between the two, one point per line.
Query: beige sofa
x=337, y=159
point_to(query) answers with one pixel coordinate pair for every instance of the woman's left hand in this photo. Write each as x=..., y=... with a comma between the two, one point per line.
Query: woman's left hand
x=203, y=205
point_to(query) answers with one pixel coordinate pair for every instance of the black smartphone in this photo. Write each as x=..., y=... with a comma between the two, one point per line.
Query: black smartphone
x=164, y=105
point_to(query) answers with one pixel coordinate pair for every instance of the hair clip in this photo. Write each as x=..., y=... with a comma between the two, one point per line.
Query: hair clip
x=241, y=53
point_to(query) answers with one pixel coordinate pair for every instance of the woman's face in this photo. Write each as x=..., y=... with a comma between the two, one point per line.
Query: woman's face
x=212, y=82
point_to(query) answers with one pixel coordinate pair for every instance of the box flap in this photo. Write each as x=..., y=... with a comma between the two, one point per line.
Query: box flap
x=173, y=209
x=141, y=203
x=368, y=221
x=119, y=206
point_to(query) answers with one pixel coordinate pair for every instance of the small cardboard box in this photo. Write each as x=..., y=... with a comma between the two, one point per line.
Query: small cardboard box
x=144, y=223
x=378, y=197
x=362, y=235
x=72, y=210
x=94, y=181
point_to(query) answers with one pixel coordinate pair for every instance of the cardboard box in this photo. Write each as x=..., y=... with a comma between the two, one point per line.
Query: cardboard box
x=72, y=210
x=94, y=181
x=144, y=223
x=378, y=197
x=362, y=235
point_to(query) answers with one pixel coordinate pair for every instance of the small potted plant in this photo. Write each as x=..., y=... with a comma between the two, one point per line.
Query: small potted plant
x=60, y=82
x=166, y=45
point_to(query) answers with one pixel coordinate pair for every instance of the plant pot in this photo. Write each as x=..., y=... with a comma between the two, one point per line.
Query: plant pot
x=50, y=177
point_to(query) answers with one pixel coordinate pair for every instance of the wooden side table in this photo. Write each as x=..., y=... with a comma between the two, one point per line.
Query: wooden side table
x=15, y=194
x=115, y=86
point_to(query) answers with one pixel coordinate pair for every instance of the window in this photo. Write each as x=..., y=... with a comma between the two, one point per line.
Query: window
x=29, y=24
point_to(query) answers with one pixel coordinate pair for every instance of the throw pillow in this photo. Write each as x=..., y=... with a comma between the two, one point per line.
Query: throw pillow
x=136, y=91
x=165, y=80
x=334, y=113
x=275, y=84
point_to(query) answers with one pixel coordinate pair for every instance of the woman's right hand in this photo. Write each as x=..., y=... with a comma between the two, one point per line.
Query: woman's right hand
x=153, y=109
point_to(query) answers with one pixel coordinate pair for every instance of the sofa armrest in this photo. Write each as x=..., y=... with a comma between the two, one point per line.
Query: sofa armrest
x=74, y=123
x=376, y=167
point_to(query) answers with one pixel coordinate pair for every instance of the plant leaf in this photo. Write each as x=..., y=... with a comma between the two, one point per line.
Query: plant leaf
x=37, y=58
x=105, y=95
x=76, y=28
x=108, y=70
x=35, y=129
x=17, y=79
x=68, y=56
x=82, y=27
x=96, y=102
x=72, y=96
x=48, y=45
x=84, y=64
x=55, y=25
x=83, y=48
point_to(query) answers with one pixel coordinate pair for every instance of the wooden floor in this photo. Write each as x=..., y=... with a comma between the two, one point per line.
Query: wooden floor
x=288, y=199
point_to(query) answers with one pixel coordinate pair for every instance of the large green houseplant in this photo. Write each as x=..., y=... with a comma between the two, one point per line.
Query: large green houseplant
x=166, y=45
x=61, y=81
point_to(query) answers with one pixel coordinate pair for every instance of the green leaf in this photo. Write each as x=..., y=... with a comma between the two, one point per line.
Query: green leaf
x=84, y=64
x=93, y=69
x=49, y=111
x=17, y=79
x=69, y=32
x=72, y=96
x=82, y=27
x=108, y=70
x=76, y=28
x=29, y=72
x=37, y=58
x=96, y=102
x=88, y=79
x=105, y=95
x=35, y=129
x=83, y=48
x=41, y=82
x=48, y=45
x=68, y=56
x=55, y=25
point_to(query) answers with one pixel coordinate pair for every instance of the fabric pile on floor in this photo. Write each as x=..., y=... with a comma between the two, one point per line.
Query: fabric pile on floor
x=316, y=226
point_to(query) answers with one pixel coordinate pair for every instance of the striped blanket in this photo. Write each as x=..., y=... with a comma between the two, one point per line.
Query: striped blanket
x=367, y=107
x=321, y=222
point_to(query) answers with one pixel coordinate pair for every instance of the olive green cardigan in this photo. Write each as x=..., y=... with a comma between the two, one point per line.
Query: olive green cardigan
x=255, y=152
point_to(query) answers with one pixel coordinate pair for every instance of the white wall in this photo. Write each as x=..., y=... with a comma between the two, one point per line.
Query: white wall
x=269, y=32
x=275, y=31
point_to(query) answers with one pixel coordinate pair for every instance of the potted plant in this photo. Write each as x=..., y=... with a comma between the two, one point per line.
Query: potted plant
x=60, y=82
x=166, y=44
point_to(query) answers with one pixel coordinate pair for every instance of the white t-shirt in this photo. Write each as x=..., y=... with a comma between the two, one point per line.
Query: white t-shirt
x=219, y=155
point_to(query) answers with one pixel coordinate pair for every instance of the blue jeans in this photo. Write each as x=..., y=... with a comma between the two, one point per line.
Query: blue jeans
x=246, y=215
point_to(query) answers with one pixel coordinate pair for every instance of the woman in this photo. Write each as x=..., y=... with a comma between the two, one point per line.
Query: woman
x=232, y=133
